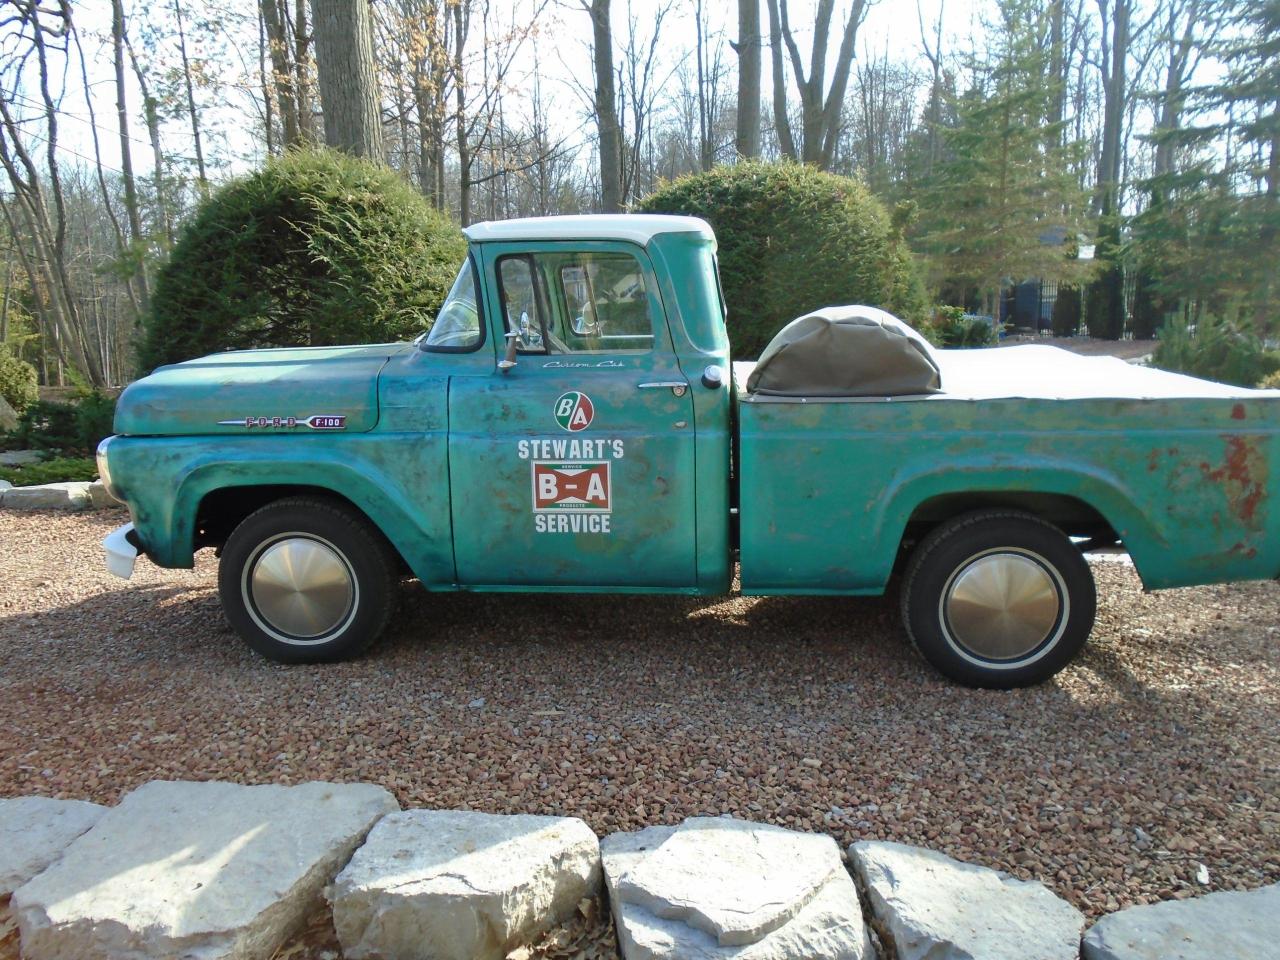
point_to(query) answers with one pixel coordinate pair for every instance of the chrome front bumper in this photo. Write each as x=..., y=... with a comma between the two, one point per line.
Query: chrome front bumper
x=121, y=553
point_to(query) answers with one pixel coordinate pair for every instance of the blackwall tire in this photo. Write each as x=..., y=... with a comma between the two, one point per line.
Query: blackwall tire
x=998, y=599
x=307, y=580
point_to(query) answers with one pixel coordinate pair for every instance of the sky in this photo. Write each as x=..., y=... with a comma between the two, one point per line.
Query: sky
x=891, y=26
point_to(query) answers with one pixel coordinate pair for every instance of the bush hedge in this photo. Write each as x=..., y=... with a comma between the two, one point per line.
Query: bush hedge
x=1217, y=349
x=315, y=248
x=58, y=470
x=17, y=381
x=952, y=327
x=65, y=428
x=793, y=239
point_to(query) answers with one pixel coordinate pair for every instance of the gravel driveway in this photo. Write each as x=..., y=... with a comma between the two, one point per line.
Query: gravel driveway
x=1157, y=752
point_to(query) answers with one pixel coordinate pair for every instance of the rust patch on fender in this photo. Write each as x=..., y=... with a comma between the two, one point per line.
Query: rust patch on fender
x=1243, y=476
x=1237, y=412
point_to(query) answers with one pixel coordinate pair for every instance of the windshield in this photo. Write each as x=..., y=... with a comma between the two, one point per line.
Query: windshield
x=457, y=325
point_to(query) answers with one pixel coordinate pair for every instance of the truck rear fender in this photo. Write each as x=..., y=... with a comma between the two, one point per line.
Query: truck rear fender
x=1081, y=502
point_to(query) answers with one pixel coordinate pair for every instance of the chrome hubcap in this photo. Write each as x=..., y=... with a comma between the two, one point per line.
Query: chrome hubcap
x=1002, y=606
x=303, y=588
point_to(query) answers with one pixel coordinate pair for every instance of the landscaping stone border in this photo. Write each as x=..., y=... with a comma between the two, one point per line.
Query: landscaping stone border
x=227, y=870
x=71, y=495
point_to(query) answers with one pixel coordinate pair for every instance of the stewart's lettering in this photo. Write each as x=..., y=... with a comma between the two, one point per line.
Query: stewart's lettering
x=564, y=448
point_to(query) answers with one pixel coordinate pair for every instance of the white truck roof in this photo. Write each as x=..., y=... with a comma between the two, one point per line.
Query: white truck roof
x=634, y=227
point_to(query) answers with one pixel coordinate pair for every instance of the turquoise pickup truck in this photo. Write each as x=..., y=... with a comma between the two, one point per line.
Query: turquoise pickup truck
x=572, y=422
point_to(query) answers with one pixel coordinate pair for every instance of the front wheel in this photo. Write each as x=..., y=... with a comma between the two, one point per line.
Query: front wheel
x=305, y=580
x=998, y=599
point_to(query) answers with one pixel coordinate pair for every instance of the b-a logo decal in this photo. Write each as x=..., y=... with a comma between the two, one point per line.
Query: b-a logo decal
x=574, y=411
x=571, y=486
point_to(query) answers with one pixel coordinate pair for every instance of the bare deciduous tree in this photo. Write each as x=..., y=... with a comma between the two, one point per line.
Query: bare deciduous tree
x=819, y=105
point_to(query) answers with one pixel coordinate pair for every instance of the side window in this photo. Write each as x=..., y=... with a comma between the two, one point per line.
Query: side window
x=576, y=302
x=457, y=327
x=521, y=304
x=606, y=303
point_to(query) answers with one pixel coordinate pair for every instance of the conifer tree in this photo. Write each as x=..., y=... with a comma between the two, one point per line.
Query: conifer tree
x=1214, y=224
x=1002, y=204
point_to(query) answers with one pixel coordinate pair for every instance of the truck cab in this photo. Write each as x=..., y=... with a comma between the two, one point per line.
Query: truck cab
x=571, y=421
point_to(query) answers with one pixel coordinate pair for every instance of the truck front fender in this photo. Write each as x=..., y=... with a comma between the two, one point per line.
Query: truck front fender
x=164, y=481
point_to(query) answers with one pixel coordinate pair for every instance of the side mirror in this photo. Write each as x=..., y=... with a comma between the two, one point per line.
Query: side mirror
x=509, y=358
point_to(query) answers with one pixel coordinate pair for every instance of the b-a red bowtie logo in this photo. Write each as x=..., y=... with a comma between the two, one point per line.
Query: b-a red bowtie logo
x=570, y=486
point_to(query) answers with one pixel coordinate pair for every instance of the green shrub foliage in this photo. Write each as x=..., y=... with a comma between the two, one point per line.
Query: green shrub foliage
x=58, y=470
x=953, y=328
x=315, y=248
x=17, y=381
x=66, y=428
x=1217, y=349
x=793, y=239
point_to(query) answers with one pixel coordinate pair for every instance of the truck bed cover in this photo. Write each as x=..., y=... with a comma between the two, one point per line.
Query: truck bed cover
x=1035, y=372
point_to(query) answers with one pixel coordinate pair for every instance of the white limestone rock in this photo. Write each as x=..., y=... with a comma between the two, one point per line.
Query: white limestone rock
x=1232, y=925
x=936, y=908
x=99, y=498
x=73, y=495
x=459, y=885
x=33, y=833
x=828, y=926
x=730, y=878
x=196, y=870
x=19, y=458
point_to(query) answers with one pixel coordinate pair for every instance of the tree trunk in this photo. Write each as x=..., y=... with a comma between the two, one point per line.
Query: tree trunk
x=747, y=141
x=460, y=26
x=348, y=81
x=151, y=109
x=264, y=80
x=606, y=109
x=1149, y=307
x=281, y=71
x=302, y=71
x=781, y=121
x=126, y=157
x=1106, y=293
x=820, y=112
x=191, y=102
x=705, y=156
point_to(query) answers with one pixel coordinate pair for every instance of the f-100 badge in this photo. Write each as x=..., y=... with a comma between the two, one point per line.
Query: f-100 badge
x=319, y=421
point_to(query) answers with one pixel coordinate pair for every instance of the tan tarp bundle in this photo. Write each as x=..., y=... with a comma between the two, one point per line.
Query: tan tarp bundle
x=851, y=351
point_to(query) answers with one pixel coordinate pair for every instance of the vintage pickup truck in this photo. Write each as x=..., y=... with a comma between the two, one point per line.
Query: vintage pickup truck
x=571, y=422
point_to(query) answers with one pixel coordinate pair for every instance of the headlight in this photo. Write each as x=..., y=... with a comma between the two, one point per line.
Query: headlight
x=104, y=472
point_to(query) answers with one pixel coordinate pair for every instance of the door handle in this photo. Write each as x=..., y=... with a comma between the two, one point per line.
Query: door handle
x=678, y=387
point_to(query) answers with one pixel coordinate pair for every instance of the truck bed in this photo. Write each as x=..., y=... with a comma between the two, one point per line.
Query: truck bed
x=1178, y=468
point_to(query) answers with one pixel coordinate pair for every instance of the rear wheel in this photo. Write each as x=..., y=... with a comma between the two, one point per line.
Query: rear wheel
x=998, y=599
x=305, y=580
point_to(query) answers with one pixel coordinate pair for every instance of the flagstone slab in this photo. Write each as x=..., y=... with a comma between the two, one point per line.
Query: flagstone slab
x=196, y=870
x=34, y=831
x=460, y=885
x=733, y=879
x=829, y=925
x=1230, y=925
x=937, y=908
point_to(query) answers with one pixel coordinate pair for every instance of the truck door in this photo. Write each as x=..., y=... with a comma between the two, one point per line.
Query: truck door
x=573, y=468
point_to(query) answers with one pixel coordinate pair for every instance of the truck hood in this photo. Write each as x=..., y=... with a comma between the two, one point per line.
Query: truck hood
x=303, y=390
